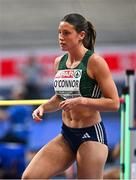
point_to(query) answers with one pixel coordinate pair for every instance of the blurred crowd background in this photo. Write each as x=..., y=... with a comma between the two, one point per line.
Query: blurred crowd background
x=28, y=47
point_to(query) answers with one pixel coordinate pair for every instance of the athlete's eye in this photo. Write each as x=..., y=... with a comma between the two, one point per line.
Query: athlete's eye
x=65, y=33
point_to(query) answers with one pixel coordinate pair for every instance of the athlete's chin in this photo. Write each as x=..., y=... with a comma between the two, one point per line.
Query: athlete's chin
x=63, y=48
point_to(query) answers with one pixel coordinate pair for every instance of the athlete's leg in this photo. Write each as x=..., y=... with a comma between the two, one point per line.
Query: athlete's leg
x=91, y=158
x=52, y=159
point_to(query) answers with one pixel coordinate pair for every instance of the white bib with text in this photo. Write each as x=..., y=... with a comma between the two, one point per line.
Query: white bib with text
x=67, y=83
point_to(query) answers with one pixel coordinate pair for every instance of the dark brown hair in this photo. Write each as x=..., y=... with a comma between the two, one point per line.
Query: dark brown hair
x=81, y=24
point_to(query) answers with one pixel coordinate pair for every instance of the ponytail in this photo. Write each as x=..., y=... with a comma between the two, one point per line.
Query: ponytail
x=89, y=40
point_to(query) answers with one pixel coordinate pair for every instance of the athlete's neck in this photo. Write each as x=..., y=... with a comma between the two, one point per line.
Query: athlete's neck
x=76, y=55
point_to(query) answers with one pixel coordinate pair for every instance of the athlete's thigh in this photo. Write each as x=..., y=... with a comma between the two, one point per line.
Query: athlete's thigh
x=91, y=158
x=53, y=158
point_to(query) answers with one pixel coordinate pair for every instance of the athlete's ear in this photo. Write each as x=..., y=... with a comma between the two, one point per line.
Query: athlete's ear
x=82, y=35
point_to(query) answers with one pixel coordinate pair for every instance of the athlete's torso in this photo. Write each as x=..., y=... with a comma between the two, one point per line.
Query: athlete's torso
x=75, y=82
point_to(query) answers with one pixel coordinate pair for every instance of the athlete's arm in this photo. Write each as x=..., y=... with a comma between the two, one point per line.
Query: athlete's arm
x=110, y=100
x=52, y=104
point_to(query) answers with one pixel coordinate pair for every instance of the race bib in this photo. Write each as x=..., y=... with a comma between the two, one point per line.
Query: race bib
x=67, y=83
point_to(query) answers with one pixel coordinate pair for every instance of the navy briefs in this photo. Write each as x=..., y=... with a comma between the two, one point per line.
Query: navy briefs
x=76, y=136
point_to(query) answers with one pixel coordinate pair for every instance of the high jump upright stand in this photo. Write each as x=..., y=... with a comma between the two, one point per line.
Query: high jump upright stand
x=128, y=132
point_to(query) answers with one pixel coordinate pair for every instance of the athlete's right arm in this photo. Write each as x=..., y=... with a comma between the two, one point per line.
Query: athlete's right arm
x=52, y=104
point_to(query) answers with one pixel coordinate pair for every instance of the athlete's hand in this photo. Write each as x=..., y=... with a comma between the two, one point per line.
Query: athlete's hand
x=38, y=113
x=70, y=104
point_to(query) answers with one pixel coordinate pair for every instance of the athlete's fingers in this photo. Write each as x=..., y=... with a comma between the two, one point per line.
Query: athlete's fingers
x=36, y=115
x=41, y=113
x=37, y=119
x=65, y=106
x=62, y=104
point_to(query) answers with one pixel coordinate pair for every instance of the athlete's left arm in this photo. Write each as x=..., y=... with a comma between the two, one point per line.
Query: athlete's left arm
x=99, y=70
x=110, y=100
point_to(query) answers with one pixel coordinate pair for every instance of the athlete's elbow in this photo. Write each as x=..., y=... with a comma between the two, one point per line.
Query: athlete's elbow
x=116, y=105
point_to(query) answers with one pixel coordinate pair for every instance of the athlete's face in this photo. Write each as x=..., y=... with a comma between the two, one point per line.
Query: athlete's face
x=69, y=38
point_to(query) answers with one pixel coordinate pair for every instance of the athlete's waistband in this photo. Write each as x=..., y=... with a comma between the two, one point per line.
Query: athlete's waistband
x=75, y=129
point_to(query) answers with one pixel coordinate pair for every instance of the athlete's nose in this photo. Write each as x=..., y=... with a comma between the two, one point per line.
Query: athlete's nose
x=61, y=39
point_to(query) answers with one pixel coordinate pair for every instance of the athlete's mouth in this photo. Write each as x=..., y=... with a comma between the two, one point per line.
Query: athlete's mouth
x=62, y=44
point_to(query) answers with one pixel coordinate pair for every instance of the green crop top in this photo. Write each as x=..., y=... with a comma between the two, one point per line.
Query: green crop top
x=75, y=82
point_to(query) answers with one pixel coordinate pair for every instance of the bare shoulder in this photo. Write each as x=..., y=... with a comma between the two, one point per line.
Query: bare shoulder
x=56, y=63
x=98, y=65
x=97, y=60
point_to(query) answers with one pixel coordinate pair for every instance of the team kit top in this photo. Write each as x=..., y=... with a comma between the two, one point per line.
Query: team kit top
x=75, y=82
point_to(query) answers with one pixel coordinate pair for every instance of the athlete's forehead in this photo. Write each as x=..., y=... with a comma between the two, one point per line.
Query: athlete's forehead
x=65, y=26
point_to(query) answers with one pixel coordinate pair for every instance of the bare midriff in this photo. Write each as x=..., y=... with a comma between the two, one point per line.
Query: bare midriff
x=81, y=118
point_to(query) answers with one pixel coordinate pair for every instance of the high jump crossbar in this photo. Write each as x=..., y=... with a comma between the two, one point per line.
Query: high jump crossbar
x=22, y=102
